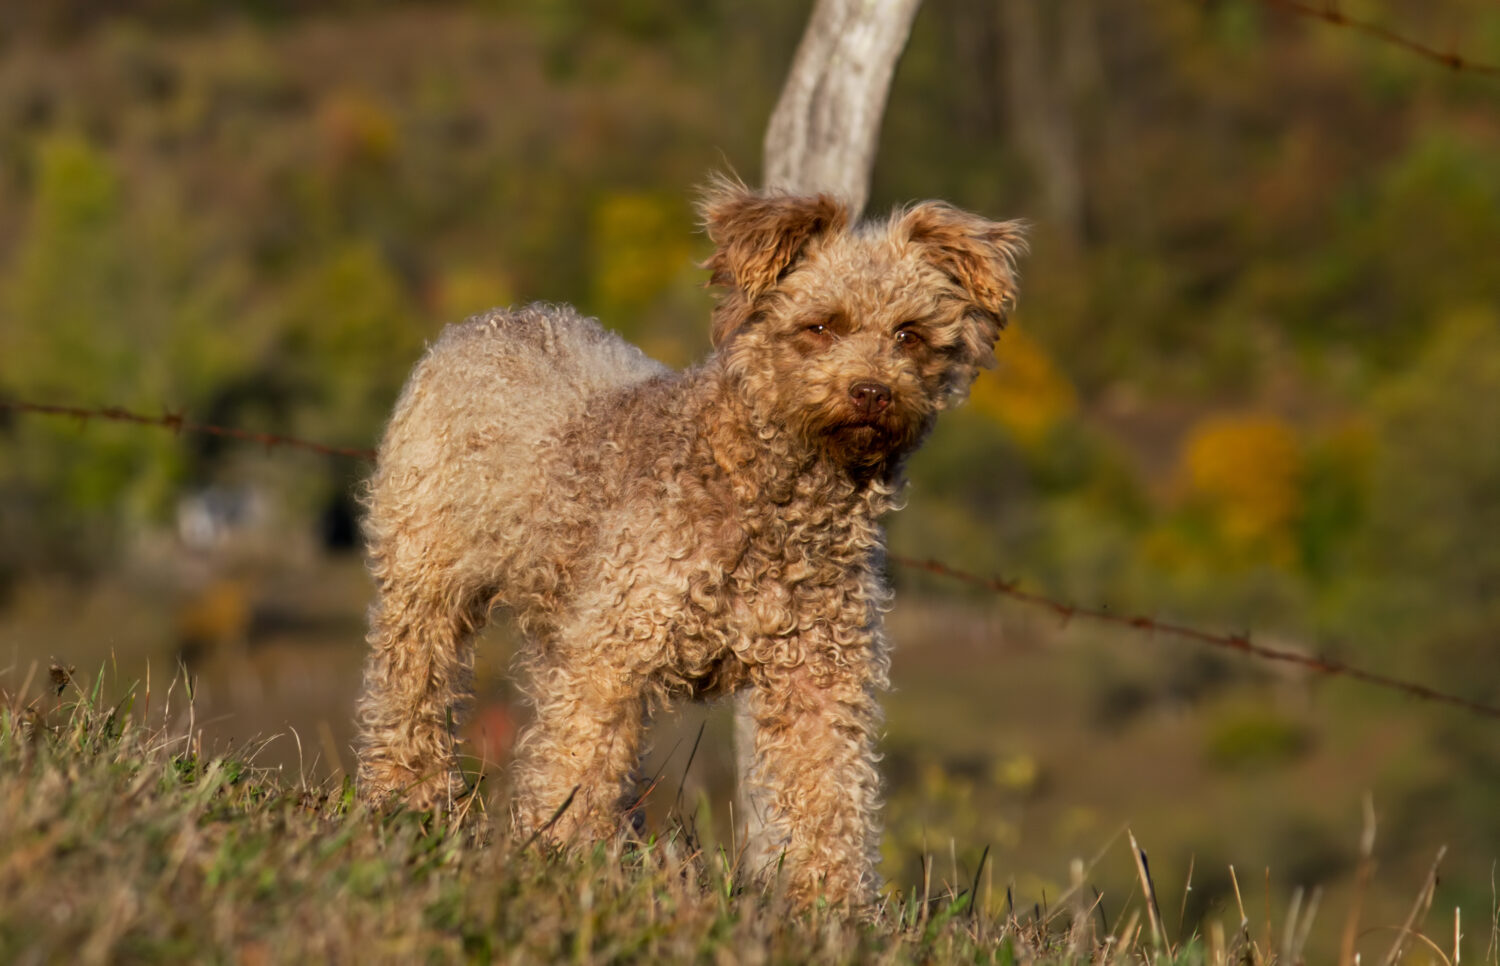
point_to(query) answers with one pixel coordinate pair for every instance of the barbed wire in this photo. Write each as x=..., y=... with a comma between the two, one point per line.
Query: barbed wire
x=1239, y=643
x=178, y=423
x=1330, y=13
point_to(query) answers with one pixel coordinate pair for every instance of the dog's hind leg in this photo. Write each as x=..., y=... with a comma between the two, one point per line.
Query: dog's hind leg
x=417, y=680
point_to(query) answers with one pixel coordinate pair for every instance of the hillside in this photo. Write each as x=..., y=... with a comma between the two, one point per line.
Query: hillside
x=128, y=844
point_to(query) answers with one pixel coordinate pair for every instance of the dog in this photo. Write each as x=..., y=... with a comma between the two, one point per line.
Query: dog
x=661, y=535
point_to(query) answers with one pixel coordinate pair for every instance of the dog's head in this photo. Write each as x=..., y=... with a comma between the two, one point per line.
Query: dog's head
x=856, y=336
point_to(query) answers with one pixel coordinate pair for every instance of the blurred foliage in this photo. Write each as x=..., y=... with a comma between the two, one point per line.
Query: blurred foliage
x=641, y=247
x=1429, y=560
x=952, y=809
x=258, y=216
x=348, y=338
x=111, y=301
x=1250, y=737
x=1243, y=473
x=1027, y=393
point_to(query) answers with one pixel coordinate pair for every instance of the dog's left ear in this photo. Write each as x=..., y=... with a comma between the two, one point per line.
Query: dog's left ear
x=978, y=254
x=758, y=237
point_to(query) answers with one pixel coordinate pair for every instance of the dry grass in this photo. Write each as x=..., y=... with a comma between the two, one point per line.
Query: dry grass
x=126, y=842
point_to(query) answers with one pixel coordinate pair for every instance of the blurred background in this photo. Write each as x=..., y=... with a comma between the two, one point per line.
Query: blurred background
x=1251, y=386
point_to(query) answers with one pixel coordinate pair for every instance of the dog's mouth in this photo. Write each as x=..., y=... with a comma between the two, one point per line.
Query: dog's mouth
x=856, y=423
x=860, y=440
x=864, y=424
x=859, y=437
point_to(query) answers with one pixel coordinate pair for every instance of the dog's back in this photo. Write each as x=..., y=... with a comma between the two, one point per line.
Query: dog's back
x=514, y=375
x=465, y=441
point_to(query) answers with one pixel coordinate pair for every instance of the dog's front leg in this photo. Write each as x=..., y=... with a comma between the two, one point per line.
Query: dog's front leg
x=816, y=726
x=575, y=764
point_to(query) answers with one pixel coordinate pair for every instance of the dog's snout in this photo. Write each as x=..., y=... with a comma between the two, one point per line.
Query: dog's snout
x=870, y=397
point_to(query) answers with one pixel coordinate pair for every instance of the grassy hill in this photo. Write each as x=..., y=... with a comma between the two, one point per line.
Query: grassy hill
x=122, y=842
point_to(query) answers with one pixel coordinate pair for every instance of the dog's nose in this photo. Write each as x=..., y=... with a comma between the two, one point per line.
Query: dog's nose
x=870, y=397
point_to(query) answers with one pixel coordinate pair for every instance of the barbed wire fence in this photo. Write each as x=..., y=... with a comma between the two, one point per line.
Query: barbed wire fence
x=1239, y=643
x=179, y=424
x=1330, y=12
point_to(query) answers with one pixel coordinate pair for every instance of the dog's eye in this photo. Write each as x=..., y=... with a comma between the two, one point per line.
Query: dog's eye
x=823, y=329
x=908, y=337
x=814, y=337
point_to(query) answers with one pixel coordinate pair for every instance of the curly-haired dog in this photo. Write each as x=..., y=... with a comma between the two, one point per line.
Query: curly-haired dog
x=660, y=534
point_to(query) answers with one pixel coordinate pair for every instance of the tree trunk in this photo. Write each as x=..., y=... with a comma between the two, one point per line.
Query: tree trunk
x=1051, y=65
x=823, y=133
x=822, y=137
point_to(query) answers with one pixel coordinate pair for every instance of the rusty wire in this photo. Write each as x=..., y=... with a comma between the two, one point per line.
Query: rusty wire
x=179, y=424
x=1330, y=13
x=1232, y=642
x=1239, y=643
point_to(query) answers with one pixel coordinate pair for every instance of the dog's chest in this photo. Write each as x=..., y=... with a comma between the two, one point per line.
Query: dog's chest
x=795, y=573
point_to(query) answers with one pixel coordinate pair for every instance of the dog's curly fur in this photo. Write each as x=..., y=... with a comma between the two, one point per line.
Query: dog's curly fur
x=660, y=534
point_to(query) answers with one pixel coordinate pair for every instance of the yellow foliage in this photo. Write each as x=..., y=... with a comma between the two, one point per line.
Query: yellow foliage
x=464, y=291
x=220, y=613
x=641, y=244
x=1026, y=393
x=1350, y=444
x=1164, y=547
x=1018, y=772
x=1247, y=471
x=357, y=128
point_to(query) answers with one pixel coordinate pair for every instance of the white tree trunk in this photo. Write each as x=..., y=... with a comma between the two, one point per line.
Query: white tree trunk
x=823, y=133
x=822, y=137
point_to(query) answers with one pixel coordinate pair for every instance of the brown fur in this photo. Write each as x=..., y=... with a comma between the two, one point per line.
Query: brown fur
x=661, y=535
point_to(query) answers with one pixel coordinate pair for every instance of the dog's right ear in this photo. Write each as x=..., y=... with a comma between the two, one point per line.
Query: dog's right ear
x=758, y=237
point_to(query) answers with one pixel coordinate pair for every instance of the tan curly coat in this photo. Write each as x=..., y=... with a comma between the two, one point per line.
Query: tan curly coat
x=660, y=534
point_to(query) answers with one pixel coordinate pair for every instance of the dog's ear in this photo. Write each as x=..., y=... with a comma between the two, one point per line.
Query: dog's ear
x=758, y=237
x=978, y=254
x=980, y=257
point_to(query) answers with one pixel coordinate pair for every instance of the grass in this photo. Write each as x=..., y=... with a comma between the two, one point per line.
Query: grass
x=122, y=841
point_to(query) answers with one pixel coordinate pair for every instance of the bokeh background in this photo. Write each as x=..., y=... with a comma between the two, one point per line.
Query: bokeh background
x=1251, y=386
